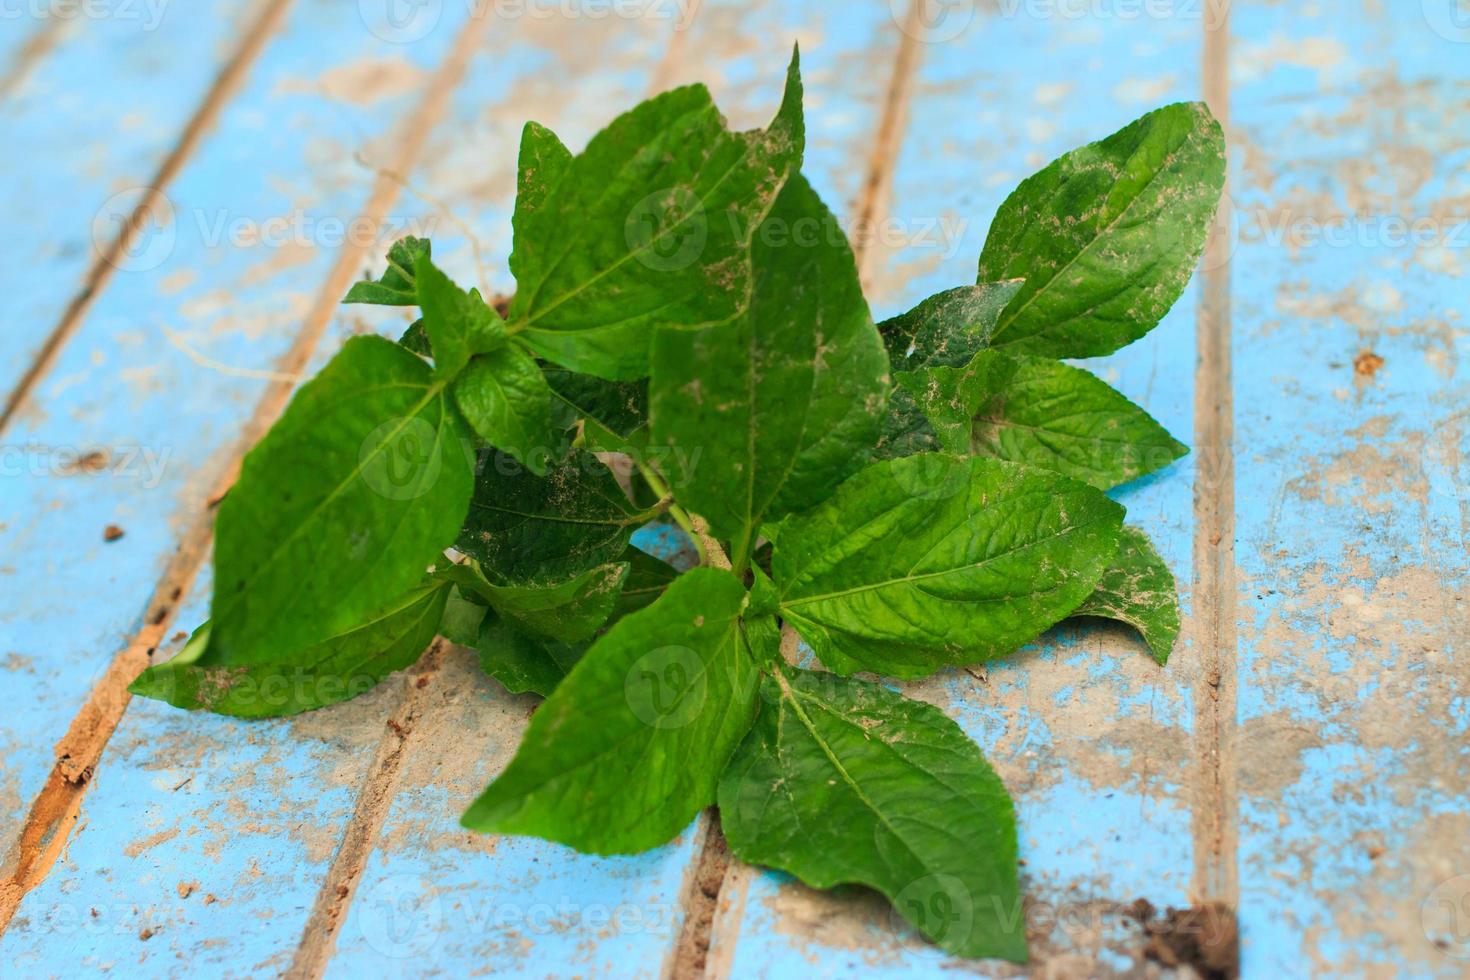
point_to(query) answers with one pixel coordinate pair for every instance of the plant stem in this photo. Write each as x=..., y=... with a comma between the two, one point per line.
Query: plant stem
x=679, y=514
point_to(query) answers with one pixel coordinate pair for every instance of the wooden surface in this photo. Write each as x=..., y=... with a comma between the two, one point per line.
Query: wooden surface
x=1302, y=758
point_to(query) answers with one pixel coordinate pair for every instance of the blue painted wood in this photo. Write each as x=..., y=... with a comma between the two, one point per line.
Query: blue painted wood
x=1351, y=173
x=1088, y=734
x=231, y=309
x=103, y=109
x=1351, y=547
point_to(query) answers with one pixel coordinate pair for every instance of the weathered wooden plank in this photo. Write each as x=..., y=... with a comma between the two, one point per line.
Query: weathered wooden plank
x=103, y=110
x=1351, y=149
x=165, y=373
x=1090, y=736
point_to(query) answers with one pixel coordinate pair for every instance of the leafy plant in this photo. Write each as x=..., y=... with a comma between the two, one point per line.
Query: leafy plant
x=905, y=497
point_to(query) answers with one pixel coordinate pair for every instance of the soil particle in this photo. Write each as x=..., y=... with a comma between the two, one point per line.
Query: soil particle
x=1202, y=937
x=111, y=533
x=1366, y=364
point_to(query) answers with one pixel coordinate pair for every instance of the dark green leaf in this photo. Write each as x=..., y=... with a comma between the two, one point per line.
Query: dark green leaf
x=337, y=669
x=906, y=431
x=1138, y=589
x=648, y=578
x=934, y=560
x=614, y=415
x=570, y=610
x=1107, y=236
x=630, y=745
x=521, y=662
x=416, y=340
x=845, y=782
x=505, y=399
x=396, y=286
x=522, y=527
x=948, y=327
x=458, y=324
x=649, y=226
x=1042, y=413
x=351, y=495
x=775, y=409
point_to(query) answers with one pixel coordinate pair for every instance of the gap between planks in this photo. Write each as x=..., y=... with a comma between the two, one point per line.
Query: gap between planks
x=226, y=84
x=54, y=811
x=36, y=47
x=1215, y=810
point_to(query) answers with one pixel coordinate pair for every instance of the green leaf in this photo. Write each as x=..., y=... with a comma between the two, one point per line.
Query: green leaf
x=1042, y=413
x=416, y=340
x=648, y=578
x=649, y=226
x=613, y=415
x=521, y=662
x=1138, y=589
x=570, y=610
x=948, y=327
x=505, y=399
x=524, y=528
x=543, y=161
x=629, y=747
x=396, y=286
x=337, y=512
x=1107, y=236
x=462, y=619
x=458, y=324
x=934, y=560
x=342, y=667
x=906, y=432
x=845, y=782
x=782, y=403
